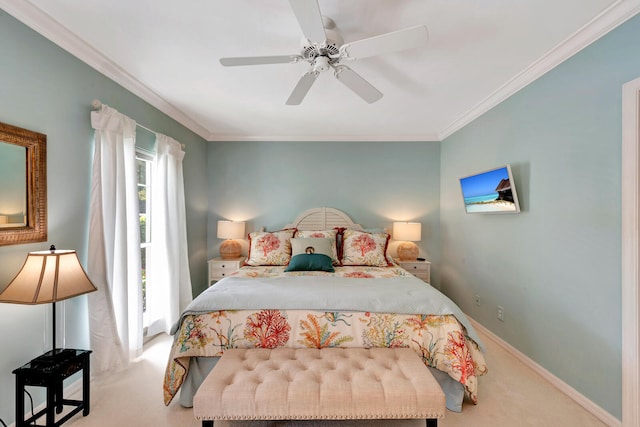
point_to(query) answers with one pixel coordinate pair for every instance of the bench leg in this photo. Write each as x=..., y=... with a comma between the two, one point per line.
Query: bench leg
x=432, y=422
x=207, y=423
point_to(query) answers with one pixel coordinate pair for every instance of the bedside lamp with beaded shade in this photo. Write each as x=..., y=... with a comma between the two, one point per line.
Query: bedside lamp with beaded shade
x=407, y=233
x=230, y=230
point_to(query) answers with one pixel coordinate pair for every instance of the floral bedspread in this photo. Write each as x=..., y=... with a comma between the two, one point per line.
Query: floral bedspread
x=440, y=340
x=361, y=272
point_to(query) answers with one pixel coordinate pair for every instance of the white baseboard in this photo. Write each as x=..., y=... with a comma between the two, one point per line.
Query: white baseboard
x=578, y=397
x=72, y=388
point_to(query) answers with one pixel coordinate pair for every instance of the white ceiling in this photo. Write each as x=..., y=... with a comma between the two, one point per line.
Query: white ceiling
x=168, y=51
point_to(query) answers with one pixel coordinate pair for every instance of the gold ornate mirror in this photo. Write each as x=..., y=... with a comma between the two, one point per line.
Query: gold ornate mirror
x=23, y=186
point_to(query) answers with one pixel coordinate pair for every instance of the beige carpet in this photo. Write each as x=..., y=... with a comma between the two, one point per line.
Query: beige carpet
x=509, y=395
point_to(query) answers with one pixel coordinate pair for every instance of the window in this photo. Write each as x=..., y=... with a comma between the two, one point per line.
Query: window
x=144, y=163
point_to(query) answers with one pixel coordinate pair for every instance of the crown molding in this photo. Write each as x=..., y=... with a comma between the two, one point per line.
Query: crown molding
x=215, y=137
x=607, y=20
x=45, y=25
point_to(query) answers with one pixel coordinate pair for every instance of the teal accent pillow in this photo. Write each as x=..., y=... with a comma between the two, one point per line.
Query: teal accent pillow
x=310, y=262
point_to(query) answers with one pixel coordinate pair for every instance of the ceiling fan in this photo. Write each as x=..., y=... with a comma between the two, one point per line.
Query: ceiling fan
x=323, y=48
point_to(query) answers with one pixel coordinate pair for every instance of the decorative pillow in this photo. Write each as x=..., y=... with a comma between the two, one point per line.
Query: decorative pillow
x=361, y=248
x=310, y=262
x=328, y=234
x=313, y=245
x=270, y=248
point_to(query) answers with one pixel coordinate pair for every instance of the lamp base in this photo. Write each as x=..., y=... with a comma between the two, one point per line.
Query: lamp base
x=408, y=251
x=230, y=249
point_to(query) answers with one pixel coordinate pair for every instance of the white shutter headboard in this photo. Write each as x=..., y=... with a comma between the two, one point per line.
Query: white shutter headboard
x=323, y=219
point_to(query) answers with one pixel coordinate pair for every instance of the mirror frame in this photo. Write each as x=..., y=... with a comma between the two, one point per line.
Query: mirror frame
x=35, y=230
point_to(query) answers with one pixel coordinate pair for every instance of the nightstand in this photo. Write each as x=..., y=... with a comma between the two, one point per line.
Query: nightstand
x=220, y=268
x=420, y=269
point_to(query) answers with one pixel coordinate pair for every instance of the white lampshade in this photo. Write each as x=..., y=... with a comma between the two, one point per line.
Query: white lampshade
x=230, y=229
x=230, y=249
x=46, y=277
x=407, y=231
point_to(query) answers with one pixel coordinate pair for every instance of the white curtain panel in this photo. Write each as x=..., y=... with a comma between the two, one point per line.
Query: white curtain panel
x=168, y=276
x=115, y=311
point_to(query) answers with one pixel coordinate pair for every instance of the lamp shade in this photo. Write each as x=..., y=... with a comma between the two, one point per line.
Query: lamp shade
x=407, y=231
x=230, y=229
x=46, y=277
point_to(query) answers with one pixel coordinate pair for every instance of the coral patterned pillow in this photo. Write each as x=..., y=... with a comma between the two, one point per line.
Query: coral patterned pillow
x=361, y=248
x=326, y=234
x=270, y=248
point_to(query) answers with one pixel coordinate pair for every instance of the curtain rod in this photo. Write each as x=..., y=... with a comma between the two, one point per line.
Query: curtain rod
x=96, y=103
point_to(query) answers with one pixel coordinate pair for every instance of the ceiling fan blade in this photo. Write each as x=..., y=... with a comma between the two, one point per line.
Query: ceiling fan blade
x=302, y=87
x=310, y=19
x=259, y=60
x=360, y=86
x=408, y=38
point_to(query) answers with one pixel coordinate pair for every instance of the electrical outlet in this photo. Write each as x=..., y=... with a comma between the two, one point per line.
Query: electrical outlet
x=476, y=299
x=501, y=313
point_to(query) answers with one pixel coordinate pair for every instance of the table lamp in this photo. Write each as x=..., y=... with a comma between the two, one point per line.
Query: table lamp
x=230, y=230
x=48, y=277
x=407, y=232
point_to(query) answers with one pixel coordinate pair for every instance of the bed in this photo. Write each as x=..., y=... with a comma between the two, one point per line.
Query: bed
x=349, y=294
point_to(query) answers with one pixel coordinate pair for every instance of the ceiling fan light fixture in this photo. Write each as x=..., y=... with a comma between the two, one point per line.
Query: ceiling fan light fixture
x=321, y=64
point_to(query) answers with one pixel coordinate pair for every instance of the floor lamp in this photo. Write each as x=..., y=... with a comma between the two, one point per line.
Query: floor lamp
x=48, y=277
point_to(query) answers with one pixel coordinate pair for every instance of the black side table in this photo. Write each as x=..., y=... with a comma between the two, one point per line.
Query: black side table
x=50, y=370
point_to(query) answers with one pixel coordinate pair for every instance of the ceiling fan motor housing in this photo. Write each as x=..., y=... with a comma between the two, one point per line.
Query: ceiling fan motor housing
x=321, y=56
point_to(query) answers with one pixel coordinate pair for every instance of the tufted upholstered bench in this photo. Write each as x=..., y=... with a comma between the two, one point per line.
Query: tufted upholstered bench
x=329, y=383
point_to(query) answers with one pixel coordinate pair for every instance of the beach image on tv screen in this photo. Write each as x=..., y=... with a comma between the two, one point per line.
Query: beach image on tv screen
x=488, y=192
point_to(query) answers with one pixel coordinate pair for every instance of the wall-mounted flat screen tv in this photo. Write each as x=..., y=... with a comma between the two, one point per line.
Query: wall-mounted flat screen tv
x=492, y=191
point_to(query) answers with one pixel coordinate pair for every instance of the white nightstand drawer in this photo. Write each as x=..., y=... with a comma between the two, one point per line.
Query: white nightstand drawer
x=219, y=273
x=225, y=264
x=421, y=274
x=415, y=267
x=420, y=269
x=220, y=268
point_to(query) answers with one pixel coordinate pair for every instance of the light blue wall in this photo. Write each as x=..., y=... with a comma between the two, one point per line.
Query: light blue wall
x=556, y=267
x=269, y=183
x=44, y=89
